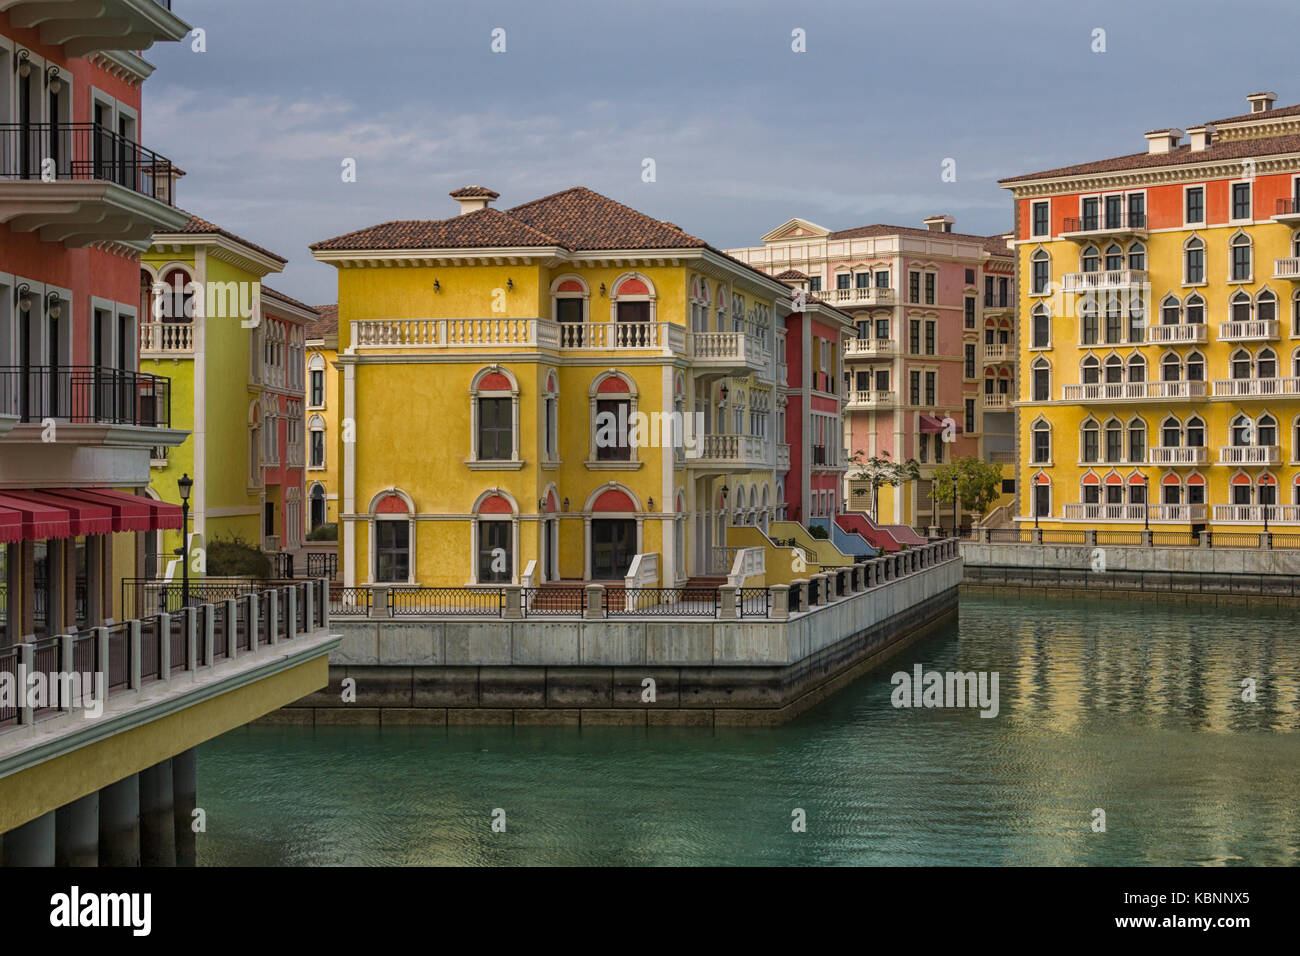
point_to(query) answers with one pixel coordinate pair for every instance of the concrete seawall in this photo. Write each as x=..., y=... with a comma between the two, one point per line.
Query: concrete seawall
x=587, y=672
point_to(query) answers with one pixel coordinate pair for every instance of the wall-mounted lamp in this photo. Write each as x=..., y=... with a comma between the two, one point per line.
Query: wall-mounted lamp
x=22, y=63
x=510, y=284
x=52, y=79
x=541, y=504
x=52, y=306
x=602, y=288
x=725, y=392
x=23, y=297
x=650, y=504
x=437, y=286
x=725, y=489
x=566, y=504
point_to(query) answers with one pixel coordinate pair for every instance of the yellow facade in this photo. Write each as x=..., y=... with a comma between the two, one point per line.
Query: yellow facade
x=1181, y=411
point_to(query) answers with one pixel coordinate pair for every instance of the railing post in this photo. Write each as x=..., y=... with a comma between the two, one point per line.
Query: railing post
x=1038, y=536
x=27, y=662
x=595, y=610
x=192, y=637
x=1266, y=540
x=1090, y=538
x=379, y=601
x=727, y=602
x=1206, y=540
x=822, y=578
x=800, y=586
x=780, y=602
x=133, y=650
x=232, y=628
x=208, y=636
x=986, y=536
x=292, y=592
x=514, y=610
x=101, y=658
x=273, y=613
x=1148, y=539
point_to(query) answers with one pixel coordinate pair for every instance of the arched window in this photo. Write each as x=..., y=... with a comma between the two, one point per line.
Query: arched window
x=316, y=506
x=494, y=416
x=1195, y=367
x=1241, y=307
x=1241, y=489
x=1170, y=311
x=1171, y=369
x=1114, y=258
x=1042, y=500
x=1171, y=433
x=1042, y=443
x=174, y=297
x=1241, y=430
x=1041, y=334
x=1137, y=441
x=316, y=438
x=1171, y=490
x=613, y=406
x=1195, y=310
x=1194, y=261
x=1114, y=440
x=1295, y=312
x=1195, y=432
x=632, y=300
x=1042, y=380
x=392, y=537
x=1090, y=370
x=495, y=531
x=1295, y=244
x=1041, y=264
x=1266, y=432
x=1091, y=328
x=1137, y=257
x=569, y=300
x=1266, y=493
x=1240, y=364
x=1239, y=248
x=1137, y=368
x=1091, y=440
x=1090, y=261
x=1266, y=364
x=1266, y=306
x=1090, y=485
x=316, y=381
x=1114, y=370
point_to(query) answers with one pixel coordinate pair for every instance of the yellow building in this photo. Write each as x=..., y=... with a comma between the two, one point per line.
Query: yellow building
x=234, y=350
x=1158, y=333
x=322, y=418
x=547, y=392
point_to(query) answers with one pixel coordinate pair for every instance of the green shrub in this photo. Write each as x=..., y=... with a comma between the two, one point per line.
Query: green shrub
x=817, y=531
x=324, y=532
x=236, y=558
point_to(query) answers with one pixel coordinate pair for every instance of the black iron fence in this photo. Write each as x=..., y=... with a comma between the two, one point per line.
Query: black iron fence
x=85, y=394
x=83, y=151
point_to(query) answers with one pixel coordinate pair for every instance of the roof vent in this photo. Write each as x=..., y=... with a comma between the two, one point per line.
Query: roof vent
x=1200, y=137
x=473, y=198
x=1163, y=140
x=939, y=223
x=1261, y=102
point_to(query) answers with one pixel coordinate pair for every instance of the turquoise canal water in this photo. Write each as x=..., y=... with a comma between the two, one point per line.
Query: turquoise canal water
x=1131, y=708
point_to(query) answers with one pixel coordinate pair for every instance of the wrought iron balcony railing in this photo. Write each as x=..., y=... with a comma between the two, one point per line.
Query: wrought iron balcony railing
x=85, y=394
x=82, y=151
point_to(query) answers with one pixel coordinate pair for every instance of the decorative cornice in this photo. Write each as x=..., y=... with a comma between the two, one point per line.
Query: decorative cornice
x=123, y=64
x=1158, y=175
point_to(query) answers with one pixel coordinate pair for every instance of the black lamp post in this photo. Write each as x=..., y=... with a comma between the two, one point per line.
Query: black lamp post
x=954, y=506
x=1146, y=503
x=185, y=483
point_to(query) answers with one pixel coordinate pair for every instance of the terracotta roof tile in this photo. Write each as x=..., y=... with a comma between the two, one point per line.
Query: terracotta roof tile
x=481, y=228
x=473, y=192
x=327, y=324
x=791, y=274
x=1180, y=155
x=585, y=220
x=1266, y=114
x=198, y=226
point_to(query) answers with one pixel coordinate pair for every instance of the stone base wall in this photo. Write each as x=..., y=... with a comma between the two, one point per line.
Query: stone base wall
x=685, y=695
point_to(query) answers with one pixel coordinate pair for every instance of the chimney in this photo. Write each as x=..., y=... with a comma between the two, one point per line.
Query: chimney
x=165, y=178
x=1200, y=137
x=1261, y=102
x=939, y=223
x=473, y=198
x=1163, y=140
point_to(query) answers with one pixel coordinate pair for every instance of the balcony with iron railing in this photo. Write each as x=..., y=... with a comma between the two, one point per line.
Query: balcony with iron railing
x=1250, y=455
x=1288, y=210
x=1252, y=330
x=85, y=395
x=1193, y=333
x=1103, y=280
x=1178, y=455
x=1124, y=222
x=1133, y=391
x=78, y=183
x=996, y=302
x=869, y=348
x=1254, y=387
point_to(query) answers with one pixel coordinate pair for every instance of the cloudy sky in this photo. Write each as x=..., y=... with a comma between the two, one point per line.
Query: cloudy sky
x=744, y=132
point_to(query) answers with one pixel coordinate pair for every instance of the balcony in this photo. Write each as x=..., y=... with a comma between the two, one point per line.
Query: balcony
x=1179, y=455
x=997, y=303
x=85, y=28
x=1254, y=330
x=1287, y=269
x=1101, y=226
x=1255, y=387
x=730, y=452
x=782, y=457
x=166, y=339
x=1288, y=211
x=1254, y=514
x=1250, y=455
x=870, y=398
x=875, y=295
x=731, y=352
x=1085, y=511
x=1133, y=391
x=869, y=348
x=1197, y=333
x=621, y=336
x=1109, y=280
x=999, y=352
x=85, y=395
x=105, y=187
x=996, y=402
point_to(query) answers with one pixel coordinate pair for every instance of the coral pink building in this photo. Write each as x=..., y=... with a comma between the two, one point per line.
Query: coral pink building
x=929, y=363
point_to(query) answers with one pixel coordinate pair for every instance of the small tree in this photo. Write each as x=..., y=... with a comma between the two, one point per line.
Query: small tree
x=979, y=483
x=880, y=471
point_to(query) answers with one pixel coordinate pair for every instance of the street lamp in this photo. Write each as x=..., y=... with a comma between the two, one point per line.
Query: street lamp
x=1146, y=503
x=185, y=483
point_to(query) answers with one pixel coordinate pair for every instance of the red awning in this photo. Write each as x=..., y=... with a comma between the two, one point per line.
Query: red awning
x=163, y=515
x=39, y=521
x=11, y=526
x=931, y=425
x=129, y=512
x=85, y=517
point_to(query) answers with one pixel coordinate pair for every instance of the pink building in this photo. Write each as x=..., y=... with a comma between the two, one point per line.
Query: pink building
x=931, y=352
